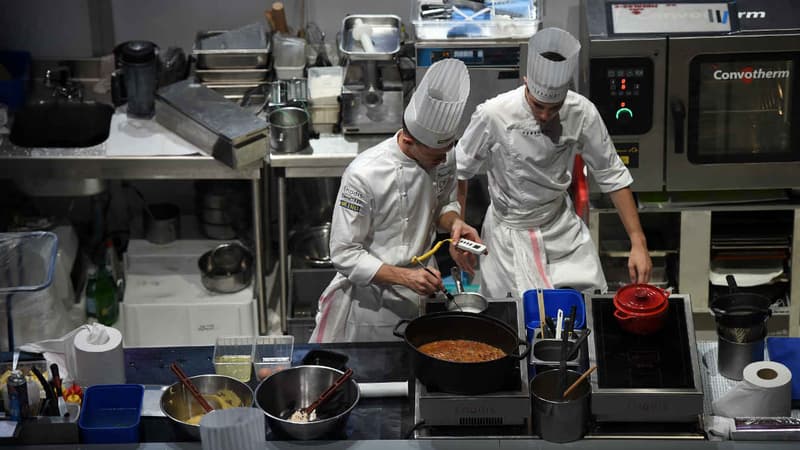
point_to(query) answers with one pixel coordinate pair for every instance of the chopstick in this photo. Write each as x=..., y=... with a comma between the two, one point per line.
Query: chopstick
x=324, y=396
x=542, y=315
x=190, y=386
x=574, y=385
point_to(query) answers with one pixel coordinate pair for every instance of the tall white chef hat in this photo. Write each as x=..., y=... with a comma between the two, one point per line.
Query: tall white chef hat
x=434, y=111
x=552, y=57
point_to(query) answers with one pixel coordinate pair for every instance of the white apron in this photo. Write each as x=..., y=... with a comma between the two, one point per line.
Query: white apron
x=385, y=213
x=533, y=235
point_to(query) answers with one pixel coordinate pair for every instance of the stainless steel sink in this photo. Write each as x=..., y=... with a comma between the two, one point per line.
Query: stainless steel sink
x=61, y=124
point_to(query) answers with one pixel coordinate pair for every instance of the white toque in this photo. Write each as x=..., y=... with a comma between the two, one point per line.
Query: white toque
x=434, y=111
x=548, y=80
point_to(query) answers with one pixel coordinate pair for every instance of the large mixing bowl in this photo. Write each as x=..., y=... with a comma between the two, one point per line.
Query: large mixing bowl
x=283, y=392
x=179, y=405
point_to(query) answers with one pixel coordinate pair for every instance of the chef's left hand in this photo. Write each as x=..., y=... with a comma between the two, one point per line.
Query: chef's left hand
x=465, y=260
x=639, y=264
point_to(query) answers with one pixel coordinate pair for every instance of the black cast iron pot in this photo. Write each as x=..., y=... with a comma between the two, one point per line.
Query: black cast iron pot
x=456, y=377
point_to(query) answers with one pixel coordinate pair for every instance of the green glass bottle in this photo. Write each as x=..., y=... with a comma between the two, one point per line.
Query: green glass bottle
x=105, y=294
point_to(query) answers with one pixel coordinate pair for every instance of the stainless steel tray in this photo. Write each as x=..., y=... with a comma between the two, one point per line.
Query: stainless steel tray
x=385, y=37
x=233, y=90
x=232, y=75
x=213, y=123
x=245, y=48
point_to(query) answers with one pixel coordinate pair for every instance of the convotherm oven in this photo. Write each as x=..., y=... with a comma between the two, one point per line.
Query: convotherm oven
x=697, y=95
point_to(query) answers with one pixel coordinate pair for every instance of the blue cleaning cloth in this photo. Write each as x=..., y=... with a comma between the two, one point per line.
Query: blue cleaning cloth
x=786, y=350
x=466, y=30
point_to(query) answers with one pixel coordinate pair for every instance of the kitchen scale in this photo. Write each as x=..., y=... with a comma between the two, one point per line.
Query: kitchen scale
x=644, y=379
x=504, y=413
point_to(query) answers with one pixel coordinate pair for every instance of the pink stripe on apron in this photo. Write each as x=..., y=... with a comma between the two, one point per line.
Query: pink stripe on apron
x=324, y=318
x=537, y=256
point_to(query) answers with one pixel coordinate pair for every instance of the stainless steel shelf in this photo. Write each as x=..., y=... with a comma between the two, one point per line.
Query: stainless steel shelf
x=76, y=165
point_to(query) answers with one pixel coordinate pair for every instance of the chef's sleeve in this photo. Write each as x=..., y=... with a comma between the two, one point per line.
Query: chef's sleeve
x=446, y=198
x=599, y=153
x=472, y=149
x=351, y=226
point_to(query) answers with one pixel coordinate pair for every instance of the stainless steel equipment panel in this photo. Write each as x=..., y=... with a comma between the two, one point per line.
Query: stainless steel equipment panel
x=494, y=67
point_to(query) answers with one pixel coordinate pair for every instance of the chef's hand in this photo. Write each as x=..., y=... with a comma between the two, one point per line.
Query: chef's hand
x=464, y=259
x=639, y=264
x=423, y=282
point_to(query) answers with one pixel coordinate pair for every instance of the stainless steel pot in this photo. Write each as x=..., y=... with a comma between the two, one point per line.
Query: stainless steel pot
x=226, y=269
x=312, y=246
x=179, y=405
x=161, y=222
x=470, y=302
x=290, y=389
x=288, y=130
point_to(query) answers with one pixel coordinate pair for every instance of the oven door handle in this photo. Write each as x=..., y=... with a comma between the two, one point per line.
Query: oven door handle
x=678, y=117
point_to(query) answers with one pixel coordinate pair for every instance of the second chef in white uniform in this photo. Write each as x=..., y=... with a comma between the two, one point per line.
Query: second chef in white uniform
x=526, y=140
x=392, y=199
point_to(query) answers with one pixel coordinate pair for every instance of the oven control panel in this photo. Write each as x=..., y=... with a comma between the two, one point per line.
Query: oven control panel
x=622, y=90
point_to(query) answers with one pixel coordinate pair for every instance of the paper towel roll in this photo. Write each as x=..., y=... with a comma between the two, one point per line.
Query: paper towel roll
x=765, y=391
x=100, y=363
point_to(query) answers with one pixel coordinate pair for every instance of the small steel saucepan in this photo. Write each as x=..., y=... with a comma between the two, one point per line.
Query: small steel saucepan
x=470, y=302
x=227, y=268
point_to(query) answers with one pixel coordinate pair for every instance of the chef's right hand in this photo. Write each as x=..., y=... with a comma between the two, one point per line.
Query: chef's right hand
x=422, y=282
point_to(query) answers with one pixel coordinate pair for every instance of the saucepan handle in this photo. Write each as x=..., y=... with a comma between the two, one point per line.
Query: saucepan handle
x=621, y=315
x=397, y=332
x=524, y=354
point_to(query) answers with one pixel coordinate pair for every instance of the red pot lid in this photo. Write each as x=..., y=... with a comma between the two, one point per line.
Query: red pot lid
x=641, y=299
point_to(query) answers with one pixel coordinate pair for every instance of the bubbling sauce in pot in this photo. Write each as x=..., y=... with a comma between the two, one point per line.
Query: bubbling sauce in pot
x=461, y=350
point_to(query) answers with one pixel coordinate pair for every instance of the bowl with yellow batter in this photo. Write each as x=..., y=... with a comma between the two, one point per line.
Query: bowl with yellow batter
x=221, y=392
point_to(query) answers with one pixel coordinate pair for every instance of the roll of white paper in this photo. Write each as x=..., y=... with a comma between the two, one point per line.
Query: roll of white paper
x=765, y=391
x=390, y=389
x=99, y=361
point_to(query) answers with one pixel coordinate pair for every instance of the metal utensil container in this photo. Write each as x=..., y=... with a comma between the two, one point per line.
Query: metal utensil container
x=288, y=130
x=558, y=419
x=226, y=269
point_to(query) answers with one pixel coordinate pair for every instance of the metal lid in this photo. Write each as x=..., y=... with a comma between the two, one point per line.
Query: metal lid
x=138, y=52
x=641, y=299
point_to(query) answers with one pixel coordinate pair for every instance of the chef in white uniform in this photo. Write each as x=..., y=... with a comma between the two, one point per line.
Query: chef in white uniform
x=526, y=141
x=392, y=199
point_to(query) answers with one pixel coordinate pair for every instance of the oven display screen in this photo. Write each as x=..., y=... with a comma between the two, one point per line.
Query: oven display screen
x=741, y=108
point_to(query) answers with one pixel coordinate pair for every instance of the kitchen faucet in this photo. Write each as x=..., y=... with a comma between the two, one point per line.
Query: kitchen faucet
x=58, y=80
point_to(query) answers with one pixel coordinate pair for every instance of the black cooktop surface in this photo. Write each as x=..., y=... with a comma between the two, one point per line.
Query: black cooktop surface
x=625, y=360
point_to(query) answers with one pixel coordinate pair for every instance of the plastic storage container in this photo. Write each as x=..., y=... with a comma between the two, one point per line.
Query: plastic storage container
x=499, y=19
x=272, y=354
x=14, y=84
x=325, y=85
x=110, y=413
x=289, y=56
x=233, y=356
x=554, y=299
x=27, y=264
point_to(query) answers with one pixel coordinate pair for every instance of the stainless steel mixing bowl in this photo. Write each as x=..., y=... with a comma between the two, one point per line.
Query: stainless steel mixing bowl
x=283, y=392
x=179, y=405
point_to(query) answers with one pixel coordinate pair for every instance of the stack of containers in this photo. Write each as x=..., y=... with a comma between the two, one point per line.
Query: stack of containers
x=233, y=62
x=324, y=87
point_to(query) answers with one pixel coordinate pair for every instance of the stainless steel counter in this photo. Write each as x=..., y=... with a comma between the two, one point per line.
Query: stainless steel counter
x=122, y=156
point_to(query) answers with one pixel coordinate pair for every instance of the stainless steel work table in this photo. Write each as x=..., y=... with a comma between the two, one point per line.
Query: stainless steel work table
x=327, y=157
x=94, y=162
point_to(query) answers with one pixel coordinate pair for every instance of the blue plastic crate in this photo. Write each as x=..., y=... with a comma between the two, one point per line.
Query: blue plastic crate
x=554, y=299
x=111, y=413
x=13, y=91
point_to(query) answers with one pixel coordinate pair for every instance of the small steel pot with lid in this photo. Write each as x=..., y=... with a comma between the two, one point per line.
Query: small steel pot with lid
x=641, y=308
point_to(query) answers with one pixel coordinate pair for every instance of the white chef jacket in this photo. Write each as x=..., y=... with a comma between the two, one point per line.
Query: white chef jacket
x=385, y=213
x=534, y=237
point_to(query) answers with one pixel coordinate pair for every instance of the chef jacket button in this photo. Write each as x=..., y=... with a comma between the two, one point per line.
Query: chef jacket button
x=405, y=219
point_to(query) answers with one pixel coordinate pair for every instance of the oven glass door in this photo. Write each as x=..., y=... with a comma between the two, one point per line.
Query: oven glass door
x=741, y=108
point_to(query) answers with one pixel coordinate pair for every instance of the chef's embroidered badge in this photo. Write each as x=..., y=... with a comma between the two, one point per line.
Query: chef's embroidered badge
x=352, y=199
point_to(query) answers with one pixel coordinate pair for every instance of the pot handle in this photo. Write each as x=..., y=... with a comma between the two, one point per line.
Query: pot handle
x=732, y=286
x=281, y=136
x=396, y=331
x=524, y=354
x=621, y=315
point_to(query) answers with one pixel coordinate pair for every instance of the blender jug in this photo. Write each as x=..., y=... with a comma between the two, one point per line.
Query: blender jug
x=136, y=77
